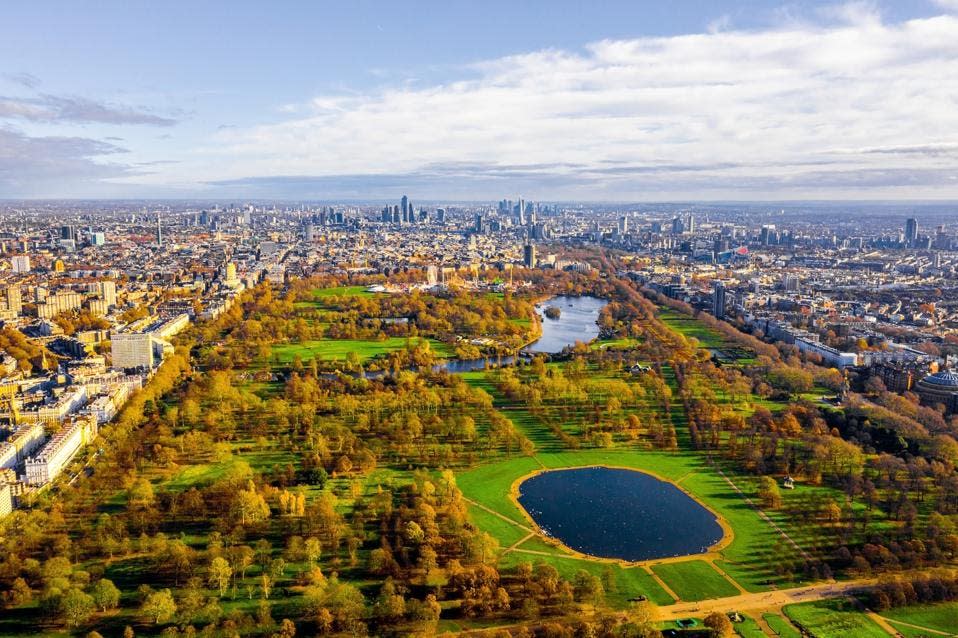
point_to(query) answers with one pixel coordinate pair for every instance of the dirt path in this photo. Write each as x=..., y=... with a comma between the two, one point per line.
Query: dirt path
x=495, y=513
x=655, y=577
x=762, y=514
x=881, y=620
x=519, y=542
x=762, y=600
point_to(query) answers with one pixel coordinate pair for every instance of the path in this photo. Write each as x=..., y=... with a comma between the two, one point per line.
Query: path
x=495, y=513
x=522, y=540
x=658, y=579
x=762, y=514
x=762, y=600
x=881, y=620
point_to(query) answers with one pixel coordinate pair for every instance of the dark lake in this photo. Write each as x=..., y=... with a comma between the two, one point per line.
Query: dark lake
x=577, y=322
x=616, y=513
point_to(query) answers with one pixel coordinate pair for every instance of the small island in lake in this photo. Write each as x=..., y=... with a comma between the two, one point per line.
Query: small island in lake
x=553, y=312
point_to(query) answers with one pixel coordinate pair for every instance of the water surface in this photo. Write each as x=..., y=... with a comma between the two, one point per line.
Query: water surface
x=577, y=322
x=618, y=513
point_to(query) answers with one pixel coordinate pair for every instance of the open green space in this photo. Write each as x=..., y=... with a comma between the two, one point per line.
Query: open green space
x=749, y=628
x=335, y=349
x=940, y=617
x=694, y=580
x=836, y=618
x=781, y=626
x=341, y=291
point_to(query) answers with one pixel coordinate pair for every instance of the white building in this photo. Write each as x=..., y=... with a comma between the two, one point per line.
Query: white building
x=20, y=263
x=132, y=350
x=54, y=456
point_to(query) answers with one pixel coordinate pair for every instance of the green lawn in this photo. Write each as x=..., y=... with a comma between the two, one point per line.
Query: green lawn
x=943, y=617
x=694, y=580
x=336, y=349
x=781, y=626
x=341, y=291
x=748, y=628
x=837, y=618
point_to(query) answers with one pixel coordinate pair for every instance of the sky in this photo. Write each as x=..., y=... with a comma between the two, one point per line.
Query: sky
x=687, y=100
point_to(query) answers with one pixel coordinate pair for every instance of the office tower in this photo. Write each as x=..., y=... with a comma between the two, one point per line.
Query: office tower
x=691, y=223
x=677, y=226
x=529, y=256
x=387, y=215
x=310, y=231
x=98, y=239
x=791, y=283
x=67, y=232
x=478, y=226
x=107, y=290
x=522, y=212
x=159, y=231
x=911, y=231
x=441, y=215
x=204, y=218
x=14, y=300
x=20, y=263
x=623, y=225
x=718, y=300
x=396, y=217
x=405, y=208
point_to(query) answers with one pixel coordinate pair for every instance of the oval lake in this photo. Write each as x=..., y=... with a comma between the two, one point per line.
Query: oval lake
x=618, y=513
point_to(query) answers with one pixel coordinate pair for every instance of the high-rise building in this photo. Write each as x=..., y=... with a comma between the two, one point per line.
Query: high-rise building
x=98, y=239
x=911, y=231
x=718, y=300
x=14, y=300
x=691, y=228
x=441, y=215
x=677, y=226
x=107, y=290
x=529, y=256
x=405, y=208
x=478, y=226
x=20, y=263
x=159, y=231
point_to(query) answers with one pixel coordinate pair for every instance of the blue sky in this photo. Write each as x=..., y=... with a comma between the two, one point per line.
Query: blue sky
x=478, y=100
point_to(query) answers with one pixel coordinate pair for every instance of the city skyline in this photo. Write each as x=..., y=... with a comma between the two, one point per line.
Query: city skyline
x=745, y=101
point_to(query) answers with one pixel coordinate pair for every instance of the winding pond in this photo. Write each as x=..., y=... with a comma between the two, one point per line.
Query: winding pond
x=577, y=322
x=618, y=513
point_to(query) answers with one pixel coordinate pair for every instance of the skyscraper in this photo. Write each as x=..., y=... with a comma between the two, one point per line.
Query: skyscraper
x=159, y=231
x=529, y=256
x=911, y=231
x=718, y=300
x=405, y=208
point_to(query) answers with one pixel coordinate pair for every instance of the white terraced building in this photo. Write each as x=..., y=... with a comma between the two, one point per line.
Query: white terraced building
x=54, y=456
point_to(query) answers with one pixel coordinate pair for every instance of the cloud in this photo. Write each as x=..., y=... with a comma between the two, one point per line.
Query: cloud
x=23, y=79
x=736, y=110
x=947, y=5
x=44, y=165
x=47, y=108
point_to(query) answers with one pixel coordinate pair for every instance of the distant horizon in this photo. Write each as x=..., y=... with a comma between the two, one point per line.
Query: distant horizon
x=748, y=100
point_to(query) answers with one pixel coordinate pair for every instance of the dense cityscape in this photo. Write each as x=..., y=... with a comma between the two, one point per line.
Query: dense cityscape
x=479, y=319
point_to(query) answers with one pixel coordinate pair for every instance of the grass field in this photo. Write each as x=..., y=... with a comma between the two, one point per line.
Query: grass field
x=836, y=618
x=748, y=628
x=694, y=580
x=781, y=626
x=335, y=349
x=341, y=291
x=940, y=617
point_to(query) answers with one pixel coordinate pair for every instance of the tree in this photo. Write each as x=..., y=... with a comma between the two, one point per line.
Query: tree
x=220, y=574
x=719, y=623
x=159, y=606
x=76, y=606
x=768, y=493
x=105, y=594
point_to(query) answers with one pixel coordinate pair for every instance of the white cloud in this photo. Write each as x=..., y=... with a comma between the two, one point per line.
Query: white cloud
x=771, y=112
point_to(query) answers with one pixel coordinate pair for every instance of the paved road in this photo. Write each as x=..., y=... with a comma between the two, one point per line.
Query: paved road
x=762, y=600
